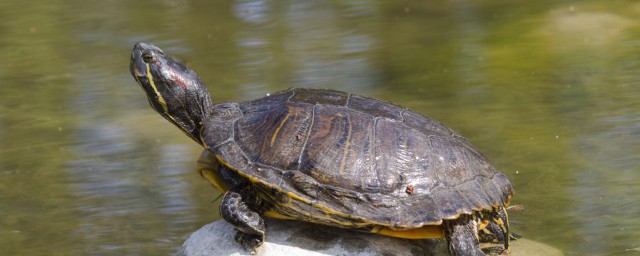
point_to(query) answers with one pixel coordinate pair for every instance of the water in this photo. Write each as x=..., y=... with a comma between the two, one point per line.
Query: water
x=548, y=90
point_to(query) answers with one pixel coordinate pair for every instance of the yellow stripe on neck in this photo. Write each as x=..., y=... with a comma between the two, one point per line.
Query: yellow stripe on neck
x=163, y=103
x=153, y=85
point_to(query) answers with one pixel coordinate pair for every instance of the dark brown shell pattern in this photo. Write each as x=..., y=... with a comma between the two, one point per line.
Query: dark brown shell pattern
x=363, y=158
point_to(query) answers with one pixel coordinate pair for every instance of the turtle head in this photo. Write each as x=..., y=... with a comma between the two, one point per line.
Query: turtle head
x=174, y=90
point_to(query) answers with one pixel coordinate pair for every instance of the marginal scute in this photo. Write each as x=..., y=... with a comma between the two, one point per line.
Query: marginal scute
x=380, y=201
x=470, y=189
x=450, y=202
x=503, y=184
x=232, y=155
x=345, y=199
x=302, y=183
x=347, y=161
x=491, y=190
x=425, y=210
x=268, y=173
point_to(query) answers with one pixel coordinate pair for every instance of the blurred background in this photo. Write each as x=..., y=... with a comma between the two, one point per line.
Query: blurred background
x=548, y=90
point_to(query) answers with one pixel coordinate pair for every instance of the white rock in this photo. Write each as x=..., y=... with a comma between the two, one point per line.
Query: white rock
x=306, y=239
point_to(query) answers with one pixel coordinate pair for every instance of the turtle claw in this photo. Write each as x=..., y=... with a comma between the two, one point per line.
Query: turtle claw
x=496, y=250
x=249, y=242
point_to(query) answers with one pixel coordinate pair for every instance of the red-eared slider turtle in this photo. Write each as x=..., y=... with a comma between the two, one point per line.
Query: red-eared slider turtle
x=333, y=158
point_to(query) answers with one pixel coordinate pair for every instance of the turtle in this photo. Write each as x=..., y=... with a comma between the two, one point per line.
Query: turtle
x=332, y=158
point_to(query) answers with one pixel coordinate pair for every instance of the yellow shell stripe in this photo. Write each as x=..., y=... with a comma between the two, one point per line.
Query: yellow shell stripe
x=275, y=134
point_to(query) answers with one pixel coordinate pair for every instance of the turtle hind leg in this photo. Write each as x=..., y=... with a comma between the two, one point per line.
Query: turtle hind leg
x=249, y=224
x=497, y=230
x=499, y=225
x=492, y=233
x=462, y=236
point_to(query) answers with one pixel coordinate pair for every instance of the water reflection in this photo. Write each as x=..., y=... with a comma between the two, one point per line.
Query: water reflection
x=305, y=44
x=547, y=90
x=125, y=200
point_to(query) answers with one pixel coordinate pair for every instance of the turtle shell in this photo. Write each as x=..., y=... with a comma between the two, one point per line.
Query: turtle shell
x=342, y=159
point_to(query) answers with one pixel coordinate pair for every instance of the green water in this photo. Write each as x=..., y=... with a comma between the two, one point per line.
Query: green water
x=548, y=90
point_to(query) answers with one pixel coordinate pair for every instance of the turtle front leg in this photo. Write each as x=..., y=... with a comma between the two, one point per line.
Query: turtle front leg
x=249, y=224
x=462, y=236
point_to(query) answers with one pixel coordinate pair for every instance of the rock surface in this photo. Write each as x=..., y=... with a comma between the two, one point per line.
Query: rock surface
x=299, y=238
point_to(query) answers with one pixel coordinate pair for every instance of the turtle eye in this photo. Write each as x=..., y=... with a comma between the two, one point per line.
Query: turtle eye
x=148, y=57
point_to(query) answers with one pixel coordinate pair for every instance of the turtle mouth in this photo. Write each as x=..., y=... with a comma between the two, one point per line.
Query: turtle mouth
x=137, y=67
x=136, y=70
